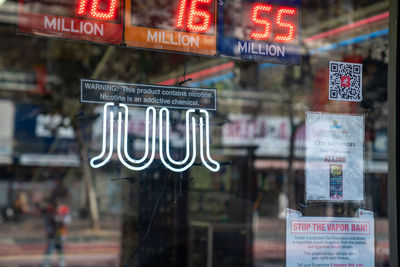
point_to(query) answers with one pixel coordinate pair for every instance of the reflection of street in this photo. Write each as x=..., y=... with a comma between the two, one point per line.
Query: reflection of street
x=24, y=244
x=81, y=260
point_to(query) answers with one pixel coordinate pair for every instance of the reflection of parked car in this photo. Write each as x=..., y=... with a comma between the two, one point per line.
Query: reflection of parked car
x=18, y=207
x=8, y=214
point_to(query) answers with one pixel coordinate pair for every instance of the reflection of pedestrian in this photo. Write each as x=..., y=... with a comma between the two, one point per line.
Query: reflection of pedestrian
x=20, y=205
x=56, y=216
x=283, y=203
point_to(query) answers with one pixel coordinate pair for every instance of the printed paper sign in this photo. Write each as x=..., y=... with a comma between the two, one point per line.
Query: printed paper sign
x=330, y=241
x=334, y=157
x=145, y=95
x=345, y=81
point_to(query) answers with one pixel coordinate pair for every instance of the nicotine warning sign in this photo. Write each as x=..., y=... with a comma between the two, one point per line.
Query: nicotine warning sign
x=330, y=241
x=145, y=95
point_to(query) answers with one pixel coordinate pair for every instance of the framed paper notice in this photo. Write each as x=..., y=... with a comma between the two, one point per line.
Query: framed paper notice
x=330, y=241
x=334, y=157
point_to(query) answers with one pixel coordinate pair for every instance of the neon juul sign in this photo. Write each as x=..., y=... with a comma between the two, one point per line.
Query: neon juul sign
x=119, y=113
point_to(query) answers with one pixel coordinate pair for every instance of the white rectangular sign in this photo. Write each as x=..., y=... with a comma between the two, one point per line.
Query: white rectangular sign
x=330, y=241
x=6, y=131
x=334, y=157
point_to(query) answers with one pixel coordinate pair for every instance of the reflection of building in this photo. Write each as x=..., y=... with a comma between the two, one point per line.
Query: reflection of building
x=44, y=139
x=270, y=134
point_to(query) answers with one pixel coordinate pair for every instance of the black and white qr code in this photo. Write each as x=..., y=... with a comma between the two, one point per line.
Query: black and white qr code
x=345, y=81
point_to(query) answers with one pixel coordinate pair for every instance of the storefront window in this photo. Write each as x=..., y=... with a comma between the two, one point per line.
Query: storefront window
x=295, y=133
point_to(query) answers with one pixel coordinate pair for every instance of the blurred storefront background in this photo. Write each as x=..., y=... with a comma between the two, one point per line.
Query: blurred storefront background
x=235, y=217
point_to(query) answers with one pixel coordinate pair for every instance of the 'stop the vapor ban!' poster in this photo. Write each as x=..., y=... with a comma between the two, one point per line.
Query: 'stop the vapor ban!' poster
x=330, y=241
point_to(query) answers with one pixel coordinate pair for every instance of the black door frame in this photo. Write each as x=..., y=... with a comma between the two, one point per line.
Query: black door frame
x=393, y=132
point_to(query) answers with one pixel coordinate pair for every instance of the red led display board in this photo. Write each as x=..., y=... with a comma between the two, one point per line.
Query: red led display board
x=260, y=30
x=176, y=25
x=256, y=30
x=89, y=20
x=264, y=17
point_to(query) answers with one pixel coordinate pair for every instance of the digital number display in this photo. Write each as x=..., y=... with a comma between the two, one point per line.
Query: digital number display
x=101, y=10
x=256, y=30
x=196, y=16
x=202, y=15
x=274, y=18
x=98, y=9
x=260, y=30
x=89, y=20
x=175, y=25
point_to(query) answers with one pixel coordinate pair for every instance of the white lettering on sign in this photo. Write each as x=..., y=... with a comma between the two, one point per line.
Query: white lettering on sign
x=330, y=227
x=50, y=126
x=98, y=86
x=67, y=25
x=261, y=49
x=179, y=39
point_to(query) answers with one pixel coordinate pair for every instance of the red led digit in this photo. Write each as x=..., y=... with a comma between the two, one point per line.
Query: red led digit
x=192, y=25
x=259, y=21
x=290, y=26
x=194, y=12
x=94, y=9
x=181, y=14
x=81, y=7
x=103, y=15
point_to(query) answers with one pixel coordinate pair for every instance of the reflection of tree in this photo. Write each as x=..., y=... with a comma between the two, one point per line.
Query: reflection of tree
x=75, y=62
x=60, y=7
x=234, y=24
x=145, y=14
x=71, y=61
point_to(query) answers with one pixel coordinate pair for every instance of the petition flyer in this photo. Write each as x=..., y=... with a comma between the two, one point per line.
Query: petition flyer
x=334, y=157
x=330, y=241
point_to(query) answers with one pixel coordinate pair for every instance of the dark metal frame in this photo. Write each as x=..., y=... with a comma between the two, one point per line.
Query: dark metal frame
x=393, y=133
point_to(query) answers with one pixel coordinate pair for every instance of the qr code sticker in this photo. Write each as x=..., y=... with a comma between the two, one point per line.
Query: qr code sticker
x=345, y=81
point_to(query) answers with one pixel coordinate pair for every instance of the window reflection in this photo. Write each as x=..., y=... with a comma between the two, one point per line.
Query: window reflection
x=52, y=202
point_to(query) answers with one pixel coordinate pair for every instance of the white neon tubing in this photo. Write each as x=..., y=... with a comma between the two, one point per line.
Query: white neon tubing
x=216, y=163
x=182, y=169
x=138, y=168
x=104, y=148
x=184, y=161
x=146, y=151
